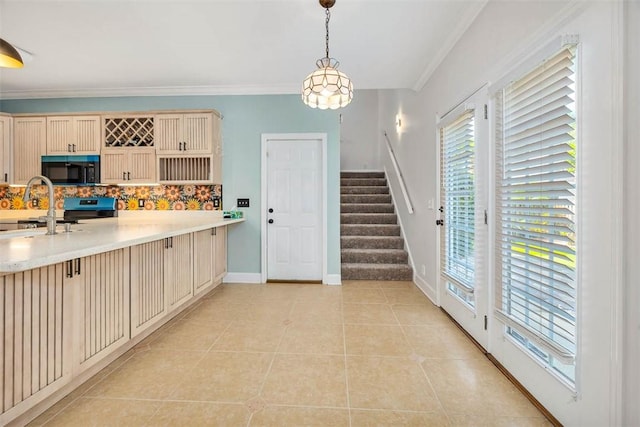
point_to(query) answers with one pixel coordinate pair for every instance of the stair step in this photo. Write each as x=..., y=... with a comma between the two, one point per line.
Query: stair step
x=359, y=182
x=369, y=242
x=369, y=230
x=374, y=256
x=365, y=189
x=368, y=218
x=376, y=272
x=366, y=208
x=362, y=174
x=365, y=198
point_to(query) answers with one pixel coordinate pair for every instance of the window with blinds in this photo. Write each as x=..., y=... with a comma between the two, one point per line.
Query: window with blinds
x=458, y=206
x=536, y=212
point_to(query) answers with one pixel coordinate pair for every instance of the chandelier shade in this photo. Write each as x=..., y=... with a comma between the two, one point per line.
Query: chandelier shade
x=326, y=87
x=9, y=56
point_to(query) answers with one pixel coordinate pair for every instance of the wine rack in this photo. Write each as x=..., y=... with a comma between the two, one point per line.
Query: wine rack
x=128, y=131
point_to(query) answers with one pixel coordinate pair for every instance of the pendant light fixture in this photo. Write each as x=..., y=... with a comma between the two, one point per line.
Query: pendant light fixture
x=327, y=87
x=9, y=56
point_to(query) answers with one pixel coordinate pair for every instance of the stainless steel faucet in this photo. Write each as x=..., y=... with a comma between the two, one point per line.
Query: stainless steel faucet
x=51, y=212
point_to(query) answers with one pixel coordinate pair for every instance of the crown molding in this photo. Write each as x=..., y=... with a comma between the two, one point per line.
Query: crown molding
x=465, y=22
x=150, y=91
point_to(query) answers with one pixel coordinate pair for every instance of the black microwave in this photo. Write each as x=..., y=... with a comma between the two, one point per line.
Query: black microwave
x=77, y=170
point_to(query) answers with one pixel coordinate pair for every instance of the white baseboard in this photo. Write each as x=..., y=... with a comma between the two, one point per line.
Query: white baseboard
x=333, y=279
x=242, y=278
x=426, y=288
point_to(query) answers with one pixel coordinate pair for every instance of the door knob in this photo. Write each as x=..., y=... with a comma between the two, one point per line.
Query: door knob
x=270, y=221
x=270, y=210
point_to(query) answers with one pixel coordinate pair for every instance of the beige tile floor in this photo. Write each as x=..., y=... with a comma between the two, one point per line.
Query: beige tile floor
x=363, y=354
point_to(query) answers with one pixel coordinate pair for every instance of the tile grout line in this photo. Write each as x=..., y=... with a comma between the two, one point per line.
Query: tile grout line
x=433, y=389
x=273, y=358
x=346, y=366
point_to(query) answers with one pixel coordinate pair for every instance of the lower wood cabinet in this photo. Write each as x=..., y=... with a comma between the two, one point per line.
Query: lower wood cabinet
x=148, y=296
x=101, y=291
x=220, y=255
x=178, y=270
x=60, y=320
x=35, y=362
x=210, y=258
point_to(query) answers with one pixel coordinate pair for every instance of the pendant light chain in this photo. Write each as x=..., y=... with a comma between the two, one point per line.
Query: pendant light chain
x=327, y=87
x=327, y=27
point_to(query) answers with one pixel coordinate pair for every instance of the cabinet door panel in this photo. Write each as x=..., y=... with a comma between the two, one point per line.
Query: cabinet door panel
x=113, y=164
x=221, y=253
x=103, y=310
x=86, y=134
x=203, y=247
x=197, y=133
x=59, y=135
x=5, y=149
x=148, y=299
x=35, y=334
x=179, y=270
x=29, y=144
x=168, y=132
x=142, y=165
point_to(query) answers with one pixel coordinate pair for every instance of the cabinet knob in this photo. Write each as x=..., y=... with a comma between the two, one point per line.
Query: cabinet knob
x=270, y=221
x=270, y=210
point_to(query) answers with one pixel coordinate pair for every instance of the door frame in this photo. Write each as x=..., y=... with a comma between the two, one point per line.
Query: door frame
x=266, y=138
x=477, y=100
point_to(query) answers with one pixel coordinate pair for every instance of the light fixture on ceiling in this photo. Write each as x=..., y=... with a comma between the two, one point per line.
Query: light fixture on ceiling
x=327, y=87
x=9, y=56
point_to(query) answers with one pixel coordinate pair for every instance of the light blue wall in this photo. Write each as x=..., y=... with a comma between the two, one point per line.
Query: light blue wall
x=245, y=119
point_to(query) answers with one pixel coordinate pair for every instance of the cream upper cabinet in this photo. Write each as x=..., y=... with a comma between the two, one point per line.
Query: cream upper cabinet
x=29, y=144
x=73, y=135
x=5, y=149
x=128, y=165
x=189, y=133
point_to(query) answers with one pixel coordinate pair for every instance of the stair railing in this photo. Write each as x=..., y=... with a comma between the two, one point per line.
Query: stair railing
x=396, y=168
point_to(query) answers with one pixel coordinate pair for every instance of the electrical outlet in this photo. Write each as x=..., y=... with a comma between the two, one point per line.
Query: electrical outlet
x=35, y=203
x=243, y=203
x=141, y=203
x=216, y=203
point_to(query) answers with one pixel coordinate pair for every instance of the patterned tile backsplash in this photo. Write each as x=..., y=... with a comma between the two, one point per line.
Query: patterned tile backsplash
x=160, y=197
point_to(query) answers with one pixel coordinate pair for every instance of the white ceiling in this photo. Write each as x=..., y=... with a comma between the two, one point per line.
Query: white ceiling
x=154, y=47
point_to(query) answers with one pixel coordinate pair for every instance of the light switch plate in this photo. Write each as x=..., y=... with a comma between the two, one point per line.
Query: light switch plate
x=243, y=203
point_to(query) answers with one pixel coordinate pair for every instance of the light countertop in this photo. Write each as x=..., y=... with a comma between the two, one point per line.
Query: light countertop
x=26, y=249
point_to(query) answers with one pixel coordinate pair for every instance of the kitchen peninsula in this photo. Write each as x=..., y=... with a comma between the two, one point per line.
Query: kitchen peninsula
x=75, y=301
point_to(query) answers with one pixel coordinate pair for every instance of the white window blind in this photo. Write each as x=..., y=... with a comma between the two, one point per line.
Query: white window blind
x=458, y=205
x=536, y=208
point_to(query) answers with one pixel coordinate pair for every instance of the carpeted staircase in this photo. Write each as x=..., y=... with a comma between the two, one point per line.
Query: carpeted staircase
x=371, y=244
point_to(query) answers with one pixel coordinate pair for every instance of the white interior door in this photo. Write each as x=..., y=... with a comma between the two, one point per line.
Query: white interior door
x=294, y=209
x=464, y=144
